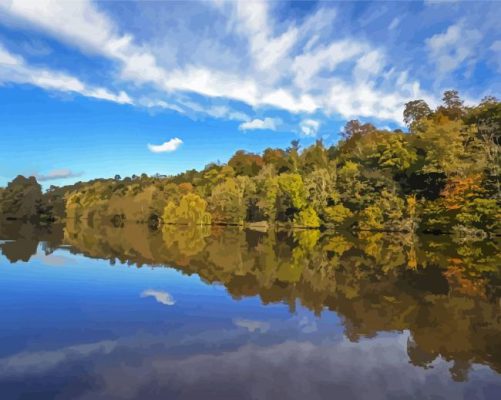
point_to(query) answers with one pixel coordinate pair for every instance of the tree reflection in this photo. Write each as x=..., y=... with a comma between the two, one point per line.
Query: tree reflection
x=446, y=294
x=20, y=241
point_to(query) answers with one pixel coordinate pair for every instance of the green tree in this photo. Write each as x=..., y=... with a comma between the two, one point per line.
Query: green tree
x=226, y=202
x=453, y=105
x=292, y=195
x=307, y=218
x=350, y=185
x=22, y=199
x=442, y=145
x=337, y=214
x=415, y=111
x=190, y=211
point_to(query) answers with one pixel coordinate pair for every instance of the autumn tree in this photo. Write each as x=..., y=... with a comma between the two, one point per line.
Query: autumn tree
x=355, y=128
x=191, y=210
x=244, y=163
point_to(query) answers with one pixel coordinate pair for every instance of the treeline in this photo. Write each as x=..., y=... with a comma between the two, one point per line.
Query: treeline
x=443, y=175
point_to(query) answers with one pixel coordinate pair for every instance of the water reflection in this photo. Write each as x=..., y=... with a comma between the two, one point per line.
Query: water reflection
x=400, y=299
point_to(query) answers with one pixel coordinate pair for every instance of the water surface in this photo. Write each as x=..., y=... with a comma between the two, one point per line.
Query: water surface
x=222, y=313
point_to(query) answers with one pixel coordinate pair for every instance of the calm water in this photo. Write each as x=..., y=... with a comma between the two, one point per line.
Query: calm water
x=126, y=313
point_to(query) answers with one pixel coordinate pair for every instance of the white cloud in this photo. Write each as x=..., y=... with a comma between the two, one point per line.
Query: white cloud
x=369, y=64
x=308, y=65
x=454, y=47
x=252, y=20
x=283, y=99
x=287, y=65
x=77, y=22
x=167, y=147
x=211, y=83
x=61, y=173
x=215, y=111
x=149, y=103
x=267, y=123
x=9, y=59
x=309, y=127
x=160, y=296
x=13, y=69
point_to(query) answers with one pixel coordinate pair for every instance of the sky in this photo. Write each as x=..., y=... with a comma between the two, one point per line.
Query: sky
x=94, y=89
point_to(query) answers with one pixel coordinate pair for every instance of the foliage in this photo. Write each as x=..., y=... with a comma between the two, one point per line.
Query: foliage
x=337, y=214
x=191, y=210
x=22, y=199
x=443, y=175
x=307, y=218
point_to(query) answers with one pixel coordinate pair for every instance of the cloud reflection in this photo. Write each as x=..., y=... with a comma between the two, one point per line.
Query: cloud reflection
x=160, y=296
x=252, y=325
x=53, y=260
x=41, y=361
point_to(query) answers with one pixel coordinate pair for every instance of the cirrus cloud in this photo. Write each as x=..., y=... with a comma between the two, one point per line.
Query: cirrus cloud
x=291, y=67
x=249, y=58
x=14, y=69
x=454, y=47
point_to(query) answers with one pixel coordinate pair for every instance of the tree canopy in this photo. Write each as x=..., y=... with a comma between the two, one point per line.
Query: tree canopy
x=443, y=175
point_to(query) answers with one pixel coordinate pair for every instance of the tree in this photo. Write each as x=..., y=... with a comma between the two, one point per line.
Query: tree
x=483, y=214
x=320, y=188
x=226, y=202
x=21, y=199
x=485, y=146
x=444, y=176
x=415, y=110
x=314, y=157
x=386, y=213
x=293, y=153
x=337, y=214
x=453, y=105
x=393, y=153
x=267, y=189
x=452, y=100
x=244, y=163
x=350, y=185
x=307, y=218
x=292, y=195
x=355, y=128
x=190, y=211
x=442, y=145
x=278, y=158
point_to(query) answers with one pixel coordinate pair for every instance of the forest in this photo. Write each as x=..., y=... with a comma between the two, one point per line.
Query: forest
x=441, y=176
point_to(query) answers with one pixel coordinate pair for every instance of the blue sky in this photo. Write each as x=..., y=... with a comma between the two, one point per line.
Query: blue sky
x=93, y=89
